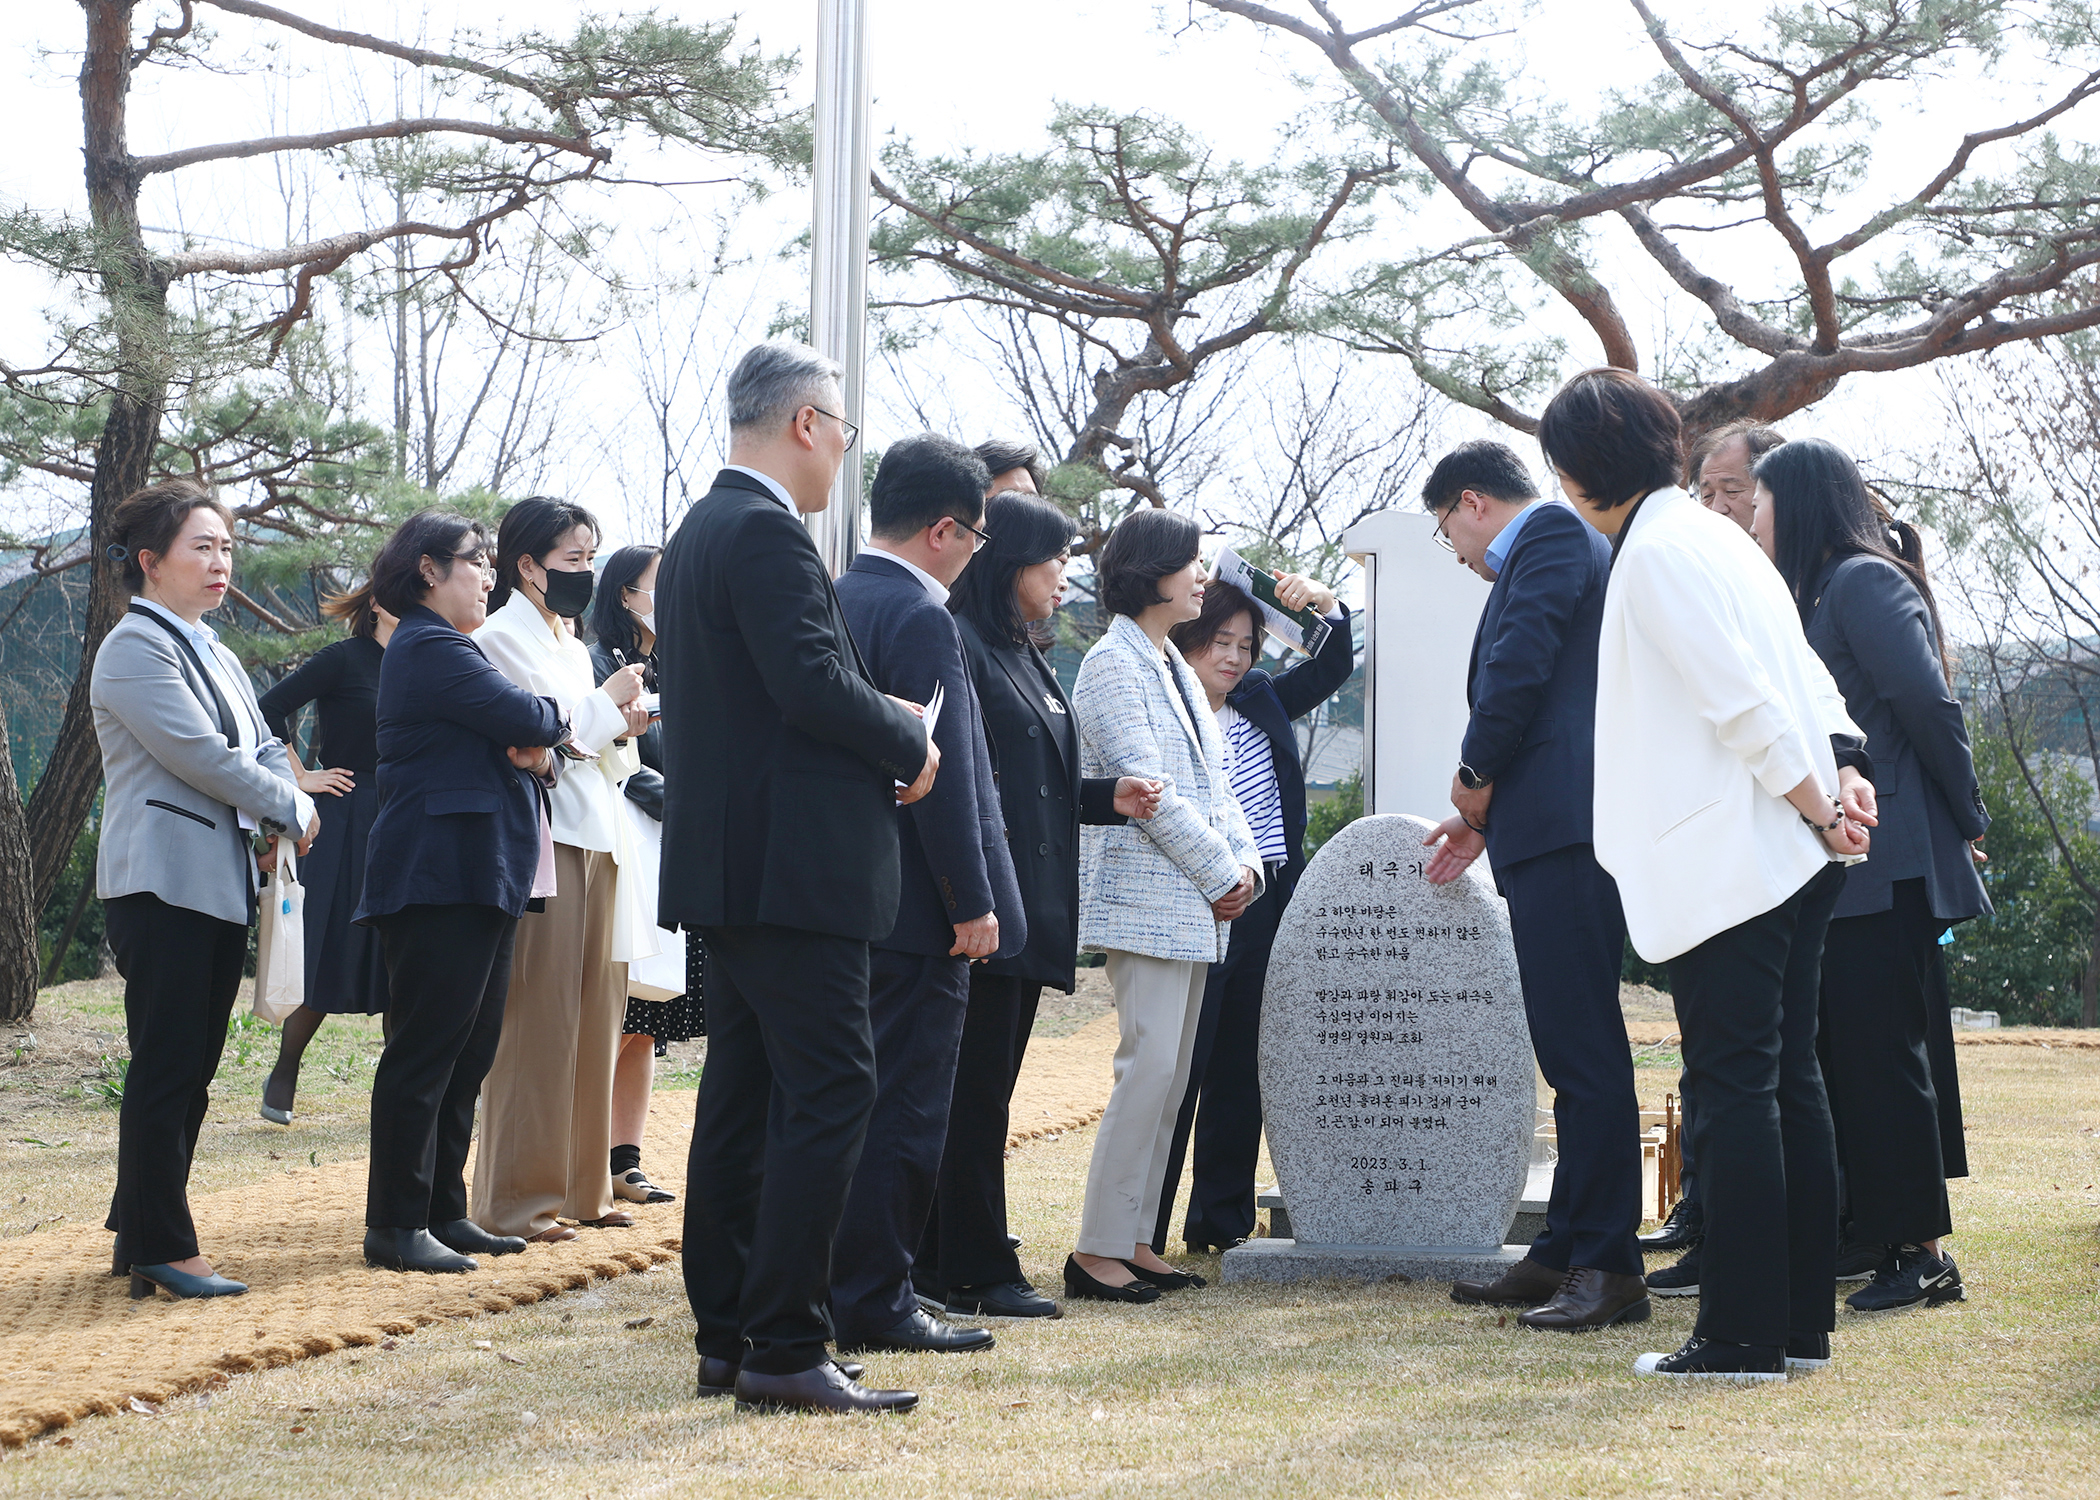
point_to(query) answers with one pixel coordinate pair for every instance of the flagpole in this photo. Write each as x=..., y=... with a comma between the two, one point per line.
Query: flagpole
x=838, y=308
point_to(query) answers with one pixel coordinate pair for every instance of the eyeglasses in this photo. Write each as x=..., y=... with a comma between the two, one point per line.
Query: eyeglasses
x=1443, y=538
x=984, y=538
x=852, y=428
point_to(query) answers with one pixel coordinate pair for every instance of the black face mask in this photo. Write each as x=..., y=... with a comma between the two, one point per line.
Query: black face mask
x=568, y=594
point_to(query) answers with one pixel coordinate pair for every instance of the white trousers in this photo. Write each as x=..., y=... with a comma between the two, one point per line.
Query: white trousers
x=1158, y=1002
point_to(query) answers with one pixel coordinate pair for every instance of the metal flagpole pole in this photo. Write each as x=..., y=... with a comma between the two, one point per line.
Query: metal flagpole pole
x=838, y=295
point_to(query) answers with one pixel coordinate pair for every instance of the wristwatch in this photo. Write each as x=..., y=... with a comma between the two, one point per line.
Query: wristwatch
x=1471, y=779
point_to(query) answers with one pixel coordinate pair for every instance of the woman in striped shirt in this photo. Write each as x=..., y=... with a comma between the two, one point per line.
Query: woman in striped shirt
x=1255, y=711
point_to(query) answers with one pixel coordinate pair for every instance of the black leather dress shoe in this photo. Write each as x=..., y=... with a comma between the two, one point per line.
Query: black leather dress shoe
x=826, y=1388
x=1525, y=1284
x=1589, y=1298
x=921, y=1333
x=1005, y=1299
x=1685, y=1228
x=468, y=1238
x=718, y=1376
x=411, y=1250
x=1013, y=1242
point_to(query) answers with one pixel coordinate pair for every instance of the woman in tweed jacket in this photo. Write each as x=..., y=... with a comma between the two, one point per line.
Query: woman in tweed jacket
x=1158, y=898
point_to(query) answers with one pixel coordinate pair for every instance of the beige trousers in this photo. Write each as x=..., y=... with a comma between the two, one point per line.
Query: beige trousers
x=1158, y=1002
x=546, y=1105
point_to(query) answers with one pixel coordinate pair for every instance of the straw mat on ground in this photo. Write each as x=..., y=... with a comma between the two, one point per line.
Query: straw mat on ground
x=72, y=1344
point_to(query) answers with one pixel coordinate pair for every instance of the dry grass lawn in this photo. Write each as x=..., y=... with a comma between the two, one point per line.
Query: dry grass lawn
x=1325, y=1390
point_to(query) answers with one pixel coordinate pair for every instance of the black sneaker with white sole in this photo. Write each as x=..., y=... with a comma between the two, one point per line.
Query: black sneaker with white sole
x=1807, y=1351
x=1679, y=1280
x=1909, y=1275
x=1710, y=1359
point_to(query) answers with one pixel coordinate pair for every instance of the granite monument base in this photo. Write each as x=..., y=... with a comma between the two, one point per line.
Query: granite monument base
x=1287, y=1260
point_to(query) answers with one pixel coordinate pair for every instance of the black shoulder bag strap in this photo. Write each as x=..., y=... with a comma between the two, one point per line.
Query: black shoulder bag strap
x=218, y=702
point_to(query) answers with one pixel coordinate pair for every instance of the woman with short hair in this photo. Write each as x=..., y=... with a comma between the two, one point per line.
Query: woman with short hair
x=546, y=1107
x=345, y=969
x=1718, y=811
x=1859, y=580
x=456, y=854
x=1158, y=899
x=194, y=786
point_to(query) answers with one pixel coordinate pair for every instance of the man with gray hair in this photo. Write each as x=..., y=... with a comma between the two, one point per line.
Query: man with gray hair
x=784, y=768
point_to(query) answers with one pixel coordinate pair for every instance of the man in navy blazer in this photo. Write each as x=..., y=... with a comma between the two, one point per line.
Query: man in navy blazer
x=1523, y=794
x=958, y=899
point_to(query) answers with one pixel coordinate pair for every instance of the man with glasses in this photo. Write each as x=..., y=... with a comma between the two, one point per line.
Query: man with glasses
x=1523, y=794
x=783, y=768
x=960, y=899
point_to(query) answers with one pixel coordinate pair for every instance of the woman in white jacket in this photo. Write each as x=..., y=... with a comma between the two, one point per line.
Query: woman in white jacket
x=1720, y=738
x=546, y=1105
x=1158, y=898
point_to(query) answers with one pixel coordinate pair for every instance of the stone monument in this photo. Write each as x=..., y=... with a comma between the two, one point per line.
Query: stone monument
x=1396, y=1069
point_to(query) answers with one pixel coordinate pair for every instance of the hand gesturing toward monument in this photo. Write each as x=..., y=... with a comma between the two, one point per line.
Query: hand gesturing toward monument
x=1457, y=845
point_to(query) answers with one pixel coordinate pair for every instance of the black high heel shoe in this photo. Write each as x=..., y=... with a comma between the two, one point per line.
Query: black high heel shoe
x=1166, y=1281
x=181, y=1283
x=1079, y=1284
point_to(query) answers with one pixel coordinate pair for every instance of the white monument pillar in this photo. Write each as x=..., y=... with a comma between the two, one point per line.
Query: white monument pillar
x=838, y=285
x=1422, y=608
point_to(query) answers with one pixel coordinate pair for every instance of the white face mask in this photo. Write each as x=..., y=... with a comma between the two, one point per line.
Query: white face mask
x=646, y=609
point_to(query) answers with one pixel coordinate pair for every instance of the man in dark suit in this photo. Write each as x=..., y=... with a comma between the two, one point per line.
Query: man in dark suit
x=959, y=900
x=1529, y=755
x=783, y=768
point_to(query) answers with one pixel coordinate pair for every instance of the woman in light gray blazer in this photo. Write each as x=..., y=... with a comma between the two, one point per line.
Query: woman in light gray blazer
x=1158, y=897
x=192, y=777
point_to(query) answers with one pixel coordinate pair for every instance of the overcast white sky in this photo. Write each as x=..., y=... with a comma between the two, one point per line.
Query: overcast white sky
x=949, y=74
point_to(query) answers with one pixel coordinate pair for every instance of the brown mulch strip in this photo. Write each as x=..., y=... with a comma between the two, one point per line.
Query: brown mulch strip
x=72, y=1343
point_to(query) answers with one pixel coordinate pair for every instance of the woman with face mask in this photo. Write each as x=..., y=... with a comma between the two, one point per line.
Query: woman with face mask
x=546, y=1106
x=663, y=993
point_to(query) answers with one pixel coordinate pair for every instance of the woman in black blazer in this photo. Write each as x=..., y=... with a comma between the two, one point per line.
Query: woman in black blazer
x=1885, y=1041
x=1015, y=580
x=457, y=851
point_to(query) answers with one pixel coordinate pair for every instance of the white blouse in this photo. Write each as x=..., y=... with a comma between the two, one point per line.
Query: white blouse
x=586, y=801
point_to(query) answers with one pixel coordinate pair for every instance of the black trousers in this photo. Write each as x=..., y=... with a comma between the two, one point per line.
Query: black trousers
x=916, y=1005
x=1878, y=1069
x=965, y=1240
x=1746, y=1003
x=448, y=971
x=1570, y=937
x=782, y=1114
x=182, y=970
x=1221, y=1110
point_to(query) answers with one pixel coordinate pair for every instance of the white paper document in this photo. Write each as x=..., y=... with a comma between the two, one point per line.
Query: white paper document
x=932, y=713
